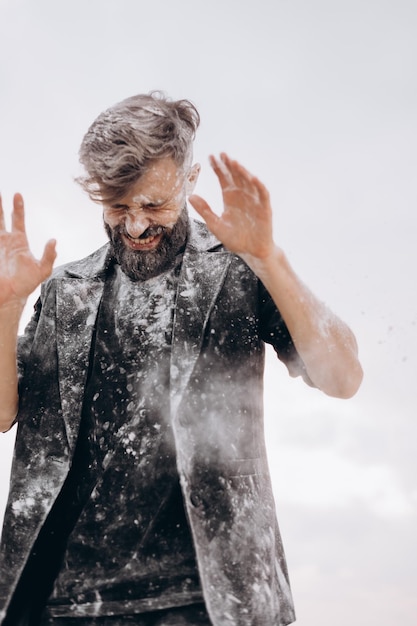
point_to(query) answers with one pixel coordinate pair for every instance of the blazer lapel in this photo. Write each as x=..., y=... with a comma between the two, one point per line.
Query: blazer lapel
x=77, y=308
x=202, y=275
x=78, y=296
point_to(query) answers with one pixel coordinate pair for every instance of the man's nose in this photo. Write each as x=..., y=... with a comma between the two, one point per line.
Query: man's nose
x=136, y=223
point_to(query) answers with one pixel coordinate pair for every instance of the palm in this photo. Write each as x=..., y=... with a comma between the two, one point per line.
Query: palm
x=20, y=272
x=245, y=226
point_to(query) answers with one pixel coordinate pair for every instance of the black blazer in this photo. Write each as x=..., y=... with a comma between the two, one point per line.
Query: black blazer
x=223, y=317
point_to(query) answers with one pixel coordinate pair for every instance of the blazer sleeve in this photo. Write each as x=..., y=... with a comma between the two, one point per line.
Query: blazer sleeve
x=25, y=344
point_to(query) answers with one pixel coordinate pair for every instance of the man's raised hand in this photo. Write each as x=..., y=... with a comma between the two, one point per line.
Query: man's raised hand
x=20, y=272
x=245, y=226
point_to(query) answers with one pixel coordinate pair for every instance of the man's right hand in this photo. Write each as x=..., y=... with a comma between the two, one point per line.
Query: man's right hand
x=20, y=272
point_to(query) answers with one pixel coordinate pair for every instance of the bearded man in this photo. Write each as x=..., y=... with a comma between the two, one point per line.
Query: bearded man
x=140, y=491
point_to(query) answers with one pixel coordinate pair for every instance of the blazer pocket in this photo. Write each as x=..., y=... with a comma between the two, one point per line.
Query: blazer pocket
x=245, y=467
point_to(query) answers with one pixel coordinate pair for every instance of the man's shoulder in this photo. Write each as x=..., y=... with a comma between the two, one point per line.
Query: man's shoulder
x=93, y=265
x=201, y=239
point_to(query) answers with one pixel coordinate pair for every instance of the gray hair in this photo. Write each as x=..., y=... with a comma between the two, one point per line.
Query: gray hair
x=124, y=139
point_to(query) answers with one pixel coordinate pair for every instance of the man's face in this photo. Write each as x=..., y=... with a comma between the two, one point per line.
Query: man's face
x=148, y=226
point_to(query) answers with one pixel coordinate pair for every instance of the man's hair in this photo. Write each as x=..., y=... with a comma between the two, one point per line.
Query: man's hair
x=123, y=140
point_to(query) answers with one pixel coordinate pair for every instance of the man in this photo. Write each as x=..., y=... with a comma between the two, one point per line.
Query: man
x=140, y=491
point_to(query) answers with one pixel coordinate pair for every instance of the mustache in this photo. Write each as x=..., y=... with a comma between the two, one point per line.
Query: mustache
x=151, y=231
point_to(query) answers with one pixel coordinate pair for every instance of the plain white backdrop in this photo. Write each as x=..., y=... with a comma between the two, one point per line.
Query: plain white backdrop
x=319, y=100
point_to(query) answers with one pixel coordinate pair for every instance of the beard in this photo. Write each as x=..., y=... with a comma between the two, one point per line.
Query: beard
x=141, y=265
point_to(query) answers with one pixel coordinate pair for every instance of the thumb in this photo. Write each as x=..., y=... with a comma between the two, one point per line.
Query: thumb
x=205, y=211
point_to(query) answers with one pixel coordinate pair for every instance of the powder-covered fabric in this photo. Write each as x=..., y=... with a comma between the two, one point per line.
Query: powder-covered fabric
x=132, y=541
x=222, y=318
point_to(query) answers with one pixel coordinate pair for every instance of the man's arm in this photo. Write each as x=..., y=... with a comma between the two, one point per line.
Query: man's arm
x=20, y=274
x=325, y=344
x=9, y=323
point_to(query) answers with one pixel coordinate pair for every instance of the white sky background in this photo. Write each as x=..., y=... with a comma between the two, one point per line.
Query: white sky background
x=318, y=98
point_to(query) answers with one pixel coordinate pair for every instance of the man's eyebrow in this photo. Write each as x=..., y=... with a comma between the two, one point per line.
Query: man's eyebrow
x=152, y=203
x=118, y=205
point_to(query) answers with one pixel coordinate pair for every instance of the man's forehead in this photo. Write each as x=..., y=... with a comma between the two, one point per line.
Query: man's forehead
x=141, y=199
x=161, y=171
x=160, y=181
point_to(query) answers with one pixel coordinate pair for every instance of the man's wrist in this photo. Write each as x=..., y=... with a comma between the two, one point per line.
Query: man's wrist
x=11, y=312
x=269, y=264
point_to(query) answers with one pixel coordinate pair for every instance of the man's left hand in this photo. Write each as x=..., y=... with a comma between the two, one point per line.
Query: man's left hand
x=245, y=226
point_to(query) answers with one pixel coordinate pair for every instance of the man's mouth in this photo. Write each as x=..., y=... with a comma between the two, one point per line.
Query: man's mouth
x=146, y=241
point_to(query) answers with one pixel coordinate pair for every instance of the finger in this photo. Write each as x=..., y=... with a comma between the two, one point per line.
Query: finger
x=249, y=182
x=235, y=167
x=241, y=176
x=203, y=209
x=18, y=215
x=222, y=172
x=262, y=191
x=2, y=223
x=47, y=261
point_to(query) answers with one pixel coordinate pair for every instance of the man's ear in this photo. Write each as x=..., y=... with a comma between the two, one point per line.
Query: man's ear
x=192, y=178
